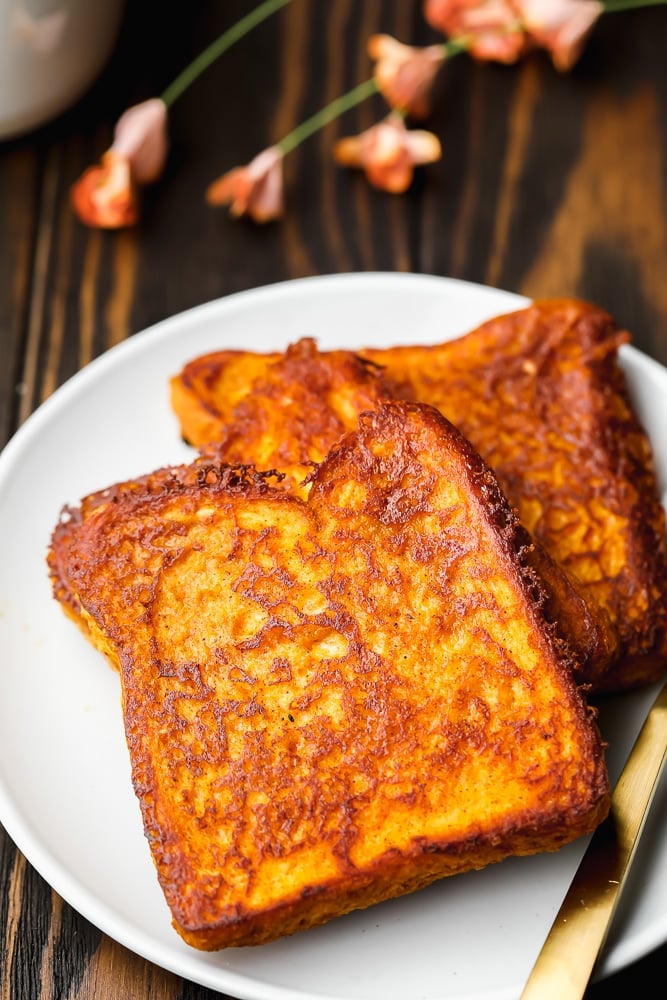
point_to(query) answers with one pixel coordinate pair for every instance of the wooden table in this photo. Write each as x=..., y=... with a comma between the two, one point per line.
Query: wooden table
x=549, y=184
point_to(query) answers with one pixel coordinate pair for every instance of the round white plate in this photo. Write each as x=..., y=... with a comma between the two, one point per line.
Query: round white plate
x=65, y=792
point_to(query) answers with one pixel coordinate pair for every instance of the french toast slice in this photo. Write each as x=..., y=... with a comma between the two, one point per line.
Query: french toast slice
x=540, y=394
x=285, y=415
x=334, y=701
x=72, y=518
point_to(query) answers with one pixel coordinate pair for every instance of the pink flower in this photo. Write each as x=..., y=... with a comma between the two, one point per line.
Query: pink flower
x=255, y=190
x=405, y=74
x=491, y=28
x=106, y=195
x=560, y=26
x=141, y=136
x=388, y=152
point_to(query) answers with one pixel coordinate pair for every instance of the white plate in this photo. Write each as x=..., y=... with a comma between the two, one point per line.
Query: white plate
x=65, y=792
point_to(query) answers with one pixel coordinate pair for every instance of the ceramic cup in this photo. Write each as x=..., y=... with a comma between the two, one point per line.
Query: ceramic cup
x=51, y=51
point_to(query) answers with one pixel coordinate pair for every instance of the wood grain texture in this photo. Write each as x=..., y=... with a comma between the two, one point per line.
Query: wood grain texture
x=549, y=184
x=19, y=193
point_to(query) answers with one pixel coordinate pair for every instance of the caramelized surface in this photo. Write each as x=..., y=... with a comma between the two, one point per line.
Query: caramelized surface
x=333, y=701
x=540, y=395
x=285, y=415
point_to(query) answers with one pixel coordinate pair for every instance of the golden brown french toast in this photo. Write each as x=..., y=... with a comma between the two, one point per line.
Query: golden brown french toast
x=541, y=396
x=333, y=701
x=72, y=518
x=285, y=415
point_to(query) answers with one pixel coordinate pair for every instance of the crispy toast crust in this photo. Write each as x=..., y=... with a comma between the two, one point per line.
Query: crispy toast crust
x=284, y=415
x=69, y=525
x=332, y=701
x=541, y=396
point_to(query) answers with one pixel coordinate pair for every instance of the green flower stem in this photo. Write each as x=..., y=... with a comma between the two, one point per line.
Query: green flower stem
x=220, y=45
x=349, y=100
x=326, y=115
x=456, y=45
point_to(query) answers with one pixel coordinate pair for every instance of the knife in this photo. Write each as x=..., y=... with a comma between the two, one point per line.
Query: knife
x=565, y=964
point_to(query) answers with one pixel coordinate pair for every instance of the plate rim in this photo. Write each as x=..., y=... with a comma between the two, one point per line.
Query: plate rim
x=65, y=883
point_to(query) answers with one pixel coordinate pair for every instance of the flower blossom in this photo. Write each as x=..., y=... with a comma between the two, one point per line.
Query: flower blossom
x=405, y=74
x=106, y=195
x=491, y=28
x=255, y=190
x=388, y=153
x=560, y=26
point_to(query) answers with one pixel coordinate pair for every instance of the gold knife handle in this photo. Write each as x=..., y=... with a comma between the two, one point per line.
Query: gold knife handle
x=565, y=964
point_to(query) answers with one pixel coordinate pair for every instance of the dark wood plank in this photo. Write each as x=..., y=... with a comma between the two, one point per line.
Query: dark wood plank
x=555, y=180
x=19, y=206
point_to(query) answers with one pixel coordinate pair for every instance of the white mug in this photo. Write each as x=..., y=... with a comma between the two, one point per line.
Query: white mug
x=51, y=51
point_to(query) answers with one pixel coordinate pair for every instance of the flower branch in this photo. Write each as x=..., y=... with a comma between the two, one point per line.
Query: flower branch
x=218, y=48
x=388, y=151
x=107, y=195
